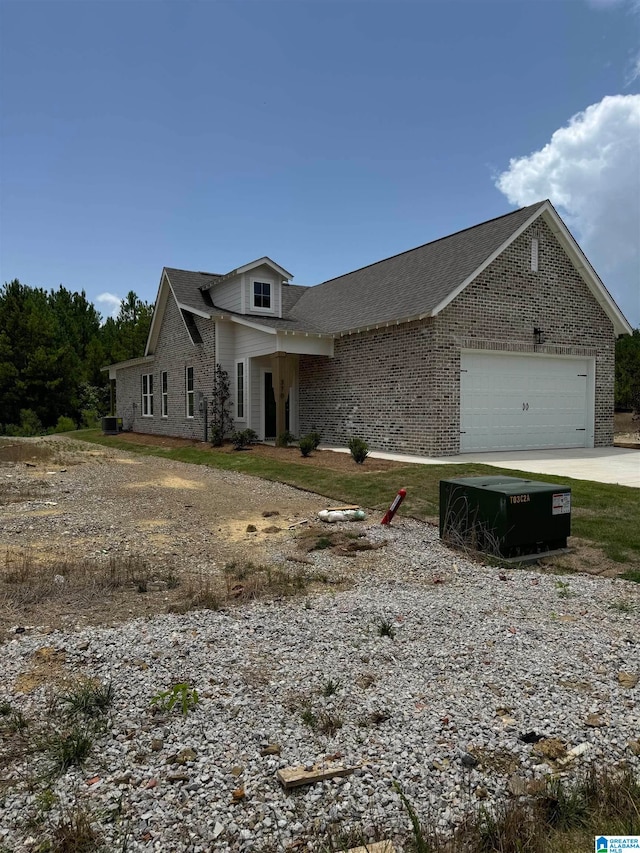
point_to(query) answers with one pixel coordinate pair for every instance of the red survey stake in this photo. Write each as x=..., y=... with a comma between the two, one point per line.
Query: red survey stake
x=394, y=506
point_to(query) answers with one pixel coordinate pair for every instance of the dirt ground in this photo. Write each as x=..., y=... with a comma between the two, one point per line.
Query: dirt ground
x=92, y=534
x=74, y=515
x=626, y=430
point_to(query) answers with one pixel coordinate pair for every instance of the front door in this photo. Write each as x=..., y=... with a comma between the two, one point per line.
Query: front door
x=270, y=407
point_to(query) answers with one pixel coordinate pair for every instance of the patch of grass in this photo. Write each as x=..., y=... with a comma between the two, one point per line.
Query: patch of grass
x=308, y=717
x=564, y=590
x=328, y=723
x=171, y=579
x=74, y=833
x=69, y=747
x=88, y=698
x=631, y=575
x=566, y=816
x=624, y=605
x=24, y=580
x=46, y=800
x=16, y=722
x=603, y=513
x=322, y=542
x=331, y=687
x=386, y=629
x=420, y=842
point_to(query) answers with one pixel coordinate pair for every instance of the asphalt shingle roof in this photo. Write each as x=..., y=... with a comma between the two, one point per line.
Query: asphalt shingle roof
x=414, y=282
x=186, y=286
x=405, y=285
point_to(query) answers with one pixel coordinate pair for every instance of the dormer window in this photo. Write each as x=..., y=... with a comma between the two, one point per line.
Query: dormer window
x=262, y=295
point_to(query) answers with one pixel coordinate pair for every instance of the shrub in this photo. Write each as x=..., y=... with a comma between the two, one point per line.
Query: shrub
x=243, y=438
x=220, y=420
x=64, y=425
x=285, y=439
x=307, y=444
x=216, y=436
x=316, y=438
x=30, y=424
x=89, y=419
x=359, y=449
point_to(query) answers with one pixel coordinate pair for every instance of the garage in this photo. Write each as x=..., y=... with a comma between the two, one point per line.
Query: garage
x=510, y=401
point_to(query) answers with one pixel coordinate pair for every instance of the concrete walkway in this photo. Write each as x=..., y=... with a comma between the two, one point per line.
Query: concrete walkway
x=601, y=464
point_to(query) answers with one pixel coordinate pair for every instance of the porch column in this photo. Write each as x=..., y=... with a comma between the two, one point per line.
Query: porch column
x=283, y=372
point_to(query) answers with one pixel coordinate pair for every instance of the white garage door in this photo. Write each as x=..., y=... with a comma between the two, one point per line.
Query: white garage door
x=516, y=402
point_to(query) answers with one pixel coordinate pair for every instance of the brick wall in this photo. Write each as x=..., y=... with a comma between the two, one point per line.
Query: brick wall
x=174, y=353
x=399, y=387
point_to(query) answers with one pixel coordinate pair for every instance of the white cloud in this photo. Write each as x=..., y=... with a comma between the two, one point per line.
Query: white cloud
x=111, y=303
x=590, y=170
x=634, y=71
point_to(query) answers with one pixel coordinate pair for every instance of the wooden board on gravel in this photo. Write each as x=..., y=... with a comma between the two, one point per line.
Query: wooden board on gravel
x=293, y=777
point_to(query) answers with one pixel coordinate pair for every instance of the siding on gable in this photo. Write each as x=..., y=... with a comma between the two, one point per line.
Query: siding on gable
x=399, y=388
x=228, y=295
x=174, y=352
x=262, y=273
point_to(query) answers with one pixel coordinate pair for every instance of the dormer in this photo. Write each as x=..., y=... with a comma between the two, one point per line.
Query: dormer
x=253, y=289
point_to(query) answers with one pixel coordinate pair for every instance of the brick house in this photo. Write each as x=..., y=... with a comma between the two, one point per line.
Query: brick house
x=498, y=337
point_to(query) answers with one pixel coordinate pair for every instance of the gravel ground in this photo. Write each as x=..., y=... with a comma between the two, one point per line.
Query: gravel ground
x=480, y=657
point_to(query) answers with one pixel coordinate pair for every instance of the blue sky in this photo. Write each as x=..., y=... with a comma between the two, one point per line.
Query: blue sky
x=327, y=134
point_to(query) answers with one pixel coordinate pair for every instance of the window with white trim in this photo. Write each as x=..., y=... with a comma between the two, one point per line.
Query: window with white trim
x=240, y=390
x=164, y=400
x=188, y=381
x=147, y=395
x=262, y=295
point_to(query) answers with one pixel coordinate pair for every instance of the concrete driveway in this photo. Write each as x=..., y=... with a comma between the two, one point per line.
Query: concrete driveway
x=602, y=464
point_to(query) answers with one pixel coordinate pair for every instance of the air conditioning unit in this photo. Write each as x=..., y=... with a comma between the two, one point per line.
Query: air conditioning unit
x=111, y=425
x=505, y=516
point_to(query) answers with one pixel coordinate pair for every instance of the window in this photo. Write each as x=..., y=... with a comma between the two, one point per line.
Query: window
x=262, y=295
x=147, y=395
x=189, y=388
x=534, y=254
x=164, y=404
x=240, y=390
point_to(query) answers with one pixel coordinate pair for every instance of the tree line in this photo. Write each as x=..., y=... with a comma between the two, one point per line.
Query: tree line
x=53, y=345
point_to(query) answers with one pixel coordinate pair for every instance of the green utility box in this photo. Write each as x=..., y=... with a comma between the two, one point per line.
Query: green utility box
x=505, y=516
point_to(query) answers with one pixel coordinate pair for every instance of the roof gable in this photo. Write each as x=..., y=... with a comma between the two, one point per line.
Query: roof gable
x=410, y=285
x=281, y=271
x=423, y=281
x=182, y=286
